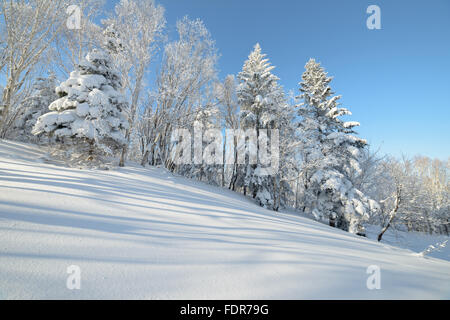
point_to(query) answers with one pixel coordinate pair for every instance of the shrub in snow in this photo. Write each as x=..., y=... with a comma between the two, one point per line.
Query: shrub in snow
x=90, y=110
x=330, y=155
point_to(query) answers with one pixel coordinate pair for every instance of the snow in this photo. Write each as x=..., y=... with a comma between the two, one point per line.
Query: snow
x=89, y=99
x=82, y=109
x=66, y=116
x=417, y=242
x=142, y=233
x=351, y=124
x=91, y=81
x=97, y=97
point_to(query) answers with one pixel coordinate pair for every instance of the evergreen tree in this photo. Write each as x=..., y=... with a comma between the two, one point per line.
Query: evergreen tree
x=32, y=108
x=89, y=111
x=263, y=106
x=330, y=153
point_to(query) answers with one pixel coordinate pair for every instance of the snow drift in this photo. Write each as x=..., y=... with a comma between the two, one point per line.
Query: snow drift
x=142, y=233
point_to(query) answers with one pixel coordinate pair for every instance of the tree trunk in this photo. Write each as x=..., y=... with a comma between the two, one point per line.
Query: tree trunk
x=296, y=193
x=392, y=215
x=134, y=102
x=4, y=111
x=235, y=166
x=123, y=156
x=224, y=160
x=145, y=158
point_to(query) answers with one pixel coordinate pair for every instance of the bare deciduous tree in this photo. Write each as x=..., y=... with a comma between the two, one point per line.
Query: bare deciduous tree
x=29, y=28
x=229, y=113
x=72, y=45
x=187, y=72
x=139, y=25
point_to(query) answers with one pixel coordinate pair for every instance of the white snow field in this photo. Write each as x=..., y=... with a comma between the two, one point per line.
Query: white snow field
x=142, y=233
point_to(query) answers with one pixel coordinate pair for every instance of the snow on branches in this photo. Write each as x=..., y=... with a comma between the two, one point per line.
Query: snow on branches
x=90, y=107
x=330, y=155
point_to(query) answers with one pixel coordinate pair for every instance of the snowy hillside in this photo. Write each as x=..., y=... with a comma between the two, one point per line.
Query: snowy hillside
x=142, y=233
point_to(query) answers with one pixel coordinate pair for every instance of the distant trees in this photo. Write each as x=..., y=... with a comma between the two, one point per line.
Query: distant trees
x=413, y=195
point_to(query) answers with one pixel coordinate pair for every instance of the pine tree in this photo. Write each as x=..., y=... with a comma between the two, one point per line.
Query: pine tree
x=330, y=153
x=32, y=108
x=89, y=111
x=262, y=102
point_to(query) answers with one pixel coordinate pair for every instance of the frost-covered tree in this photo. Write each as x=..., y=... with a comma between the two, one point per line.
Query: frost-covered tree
x=330, y=153
x=413, y=193
x=432, y=197
x=207, y=147
x=90, y=110
x=263, y=107
x=72, y=45
x=33, y=107
x=28, y=28
x=184, y=84
x=112, y=41
x=391, y=194
x=137, y=27
x=226, y=93
x=1, y=90
x=288, y=171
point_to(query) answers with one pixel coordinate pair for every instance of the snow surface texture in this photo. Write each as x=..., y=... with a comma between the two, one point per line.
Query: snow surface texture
x=144, y=234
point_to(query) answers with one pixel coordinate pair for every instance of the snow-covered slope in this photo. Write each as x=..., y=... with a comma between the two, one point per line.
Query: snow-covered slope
x=144, y=234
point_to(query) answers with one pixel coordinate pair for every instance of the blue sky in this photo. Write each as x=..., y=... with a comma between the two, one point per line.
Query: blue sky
x=396, y=81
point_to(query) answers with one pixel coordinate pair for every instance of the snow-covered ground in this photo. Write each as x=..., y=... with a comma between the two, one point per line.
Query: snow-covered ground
x=142, y=233
x=414, y=241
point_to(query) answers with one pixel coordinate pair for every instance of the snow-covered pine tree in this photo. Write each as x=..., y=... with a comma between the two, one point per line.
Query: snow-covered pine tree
x=262, y=102
x=89, y=113
x=330, y=153
x=33, y=107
